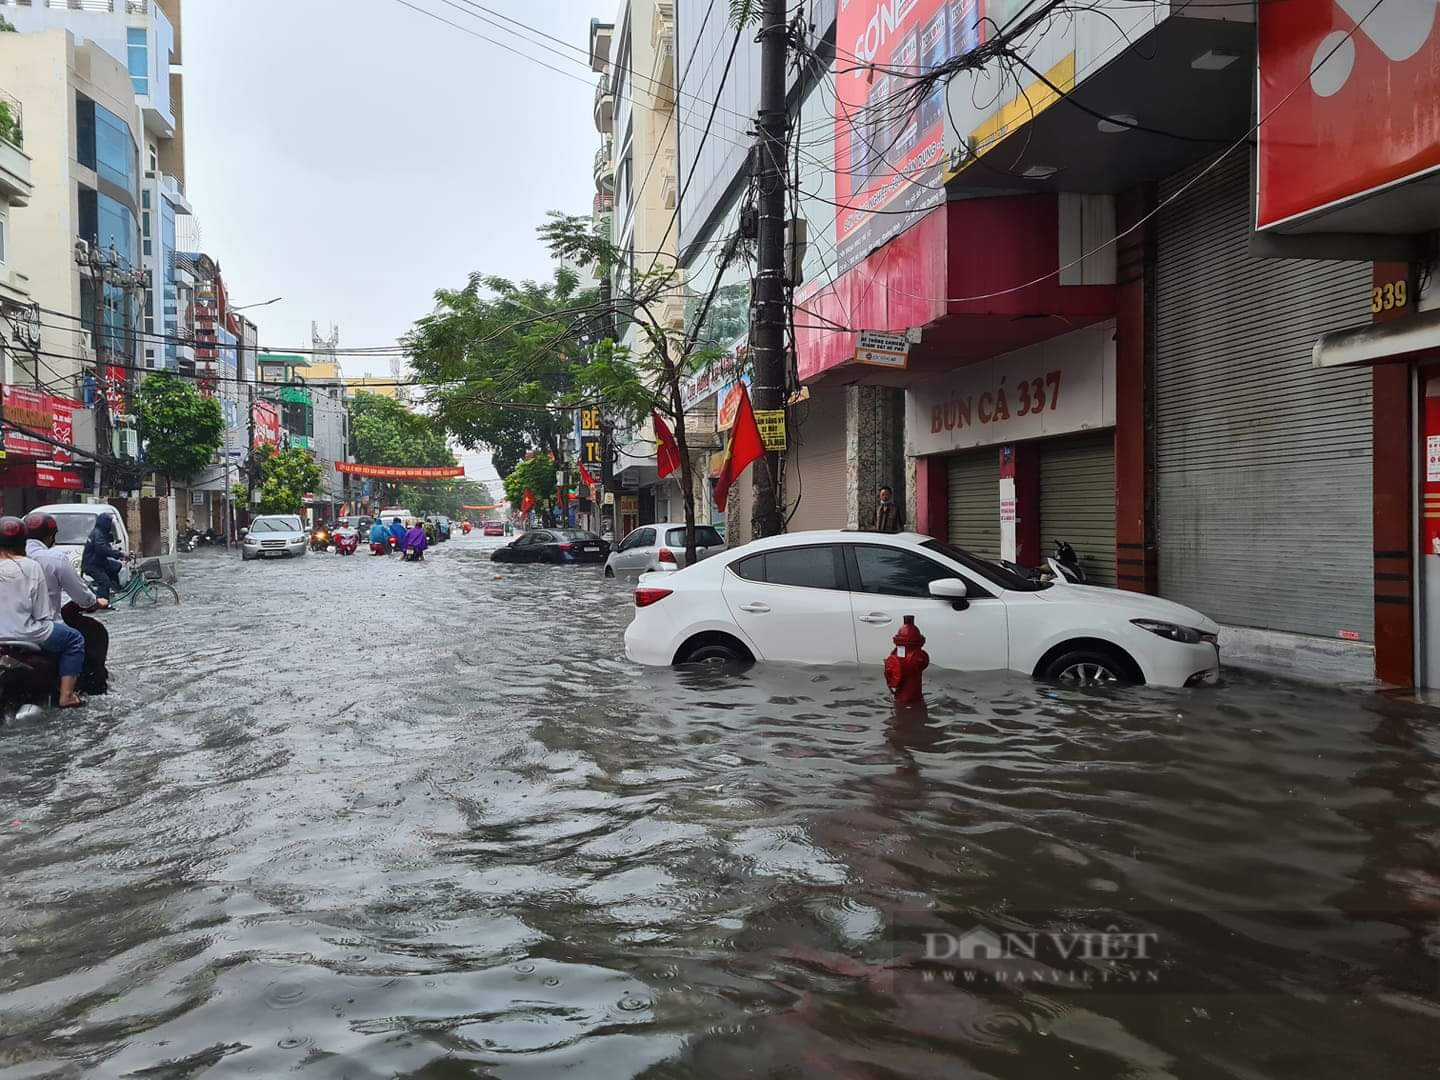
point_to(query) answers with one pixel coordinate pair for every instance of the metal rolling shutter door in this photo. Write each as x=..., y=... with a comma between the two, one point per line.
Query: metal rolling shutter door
x=1077, y=501
x=1263, y=463
x=973, y=501
x=816, y=465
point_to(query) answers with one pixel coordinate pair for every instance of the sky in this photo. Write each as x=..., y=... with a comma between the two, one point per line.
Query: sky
x=353, y=156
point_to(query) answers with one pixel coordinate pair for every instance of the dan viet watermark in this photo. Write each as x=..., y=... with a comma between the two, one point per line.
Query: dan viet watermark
x=1051, y=957
x=1168, y=951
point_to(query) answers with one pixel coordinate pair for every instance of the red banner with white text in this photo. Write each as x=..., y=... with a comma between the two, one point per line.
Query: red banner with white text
x=400, y=472
x=44, y=414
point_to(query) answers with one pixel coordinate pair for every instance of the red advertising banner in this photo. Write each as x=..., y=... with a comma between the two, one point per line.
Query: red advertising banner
x=266, y=420
x=1365, y=118
x=34, y=474
x=43, y=413
x=890, y=152
x=400, y=472
x=116, y=383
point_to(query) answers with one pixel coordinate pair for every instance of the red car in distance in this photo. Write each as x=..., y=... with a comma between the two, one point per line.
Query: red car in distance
x=494, y=528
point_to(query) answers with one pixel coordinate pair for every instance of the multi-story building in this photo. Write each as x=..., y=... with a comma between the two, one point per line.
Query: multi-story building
x=81, y=231
x=144, y=36
x=20, y=324
x=331, y=419
x=636, y=194
x=1141, y=309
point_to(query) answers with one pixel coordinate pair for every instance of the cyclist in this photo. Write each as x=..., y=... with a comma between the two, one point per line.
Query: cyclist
x=60, y=577
x=101, y=559
x=26, y=615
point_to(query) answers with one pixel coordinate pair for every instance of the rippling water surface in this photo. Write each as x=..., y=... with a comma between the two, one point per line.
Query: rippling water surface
x=354, y=819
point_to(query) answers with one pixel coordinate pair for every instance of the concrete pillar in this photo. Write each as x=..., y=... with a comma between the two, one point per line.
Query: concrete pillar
x=875, y=451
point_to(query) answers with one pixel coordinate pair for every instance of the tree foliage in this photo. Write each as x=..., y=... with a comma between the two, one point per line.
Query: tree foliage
x=181, y=429
x=537, y=474
x=6, y=26
x=447, y=497
x=385, y=432
x=285, y=479
x=503, y=356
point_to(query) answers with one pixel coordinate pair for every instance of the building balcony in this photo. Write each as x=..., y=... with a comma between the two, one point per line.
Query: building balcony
x=662, y=38
x=604, y=171
x=15, y=183
x=604, y=105
x=602, y=36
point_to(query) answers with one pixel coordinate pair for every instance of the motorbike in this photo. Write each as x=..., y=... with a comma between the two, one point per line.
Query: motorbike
x=465, y=528
x=347, y=541
x=394, y=543
x=379, y=549
x=187, y=540
x=29, y=678
x=319, y=538
x=1064, y=565
x=209, y=538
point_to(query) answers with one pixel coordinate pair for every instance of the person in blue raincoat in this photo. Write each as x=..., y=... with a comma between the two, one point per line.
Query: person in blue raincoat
x=380, y=538
x=397, y=530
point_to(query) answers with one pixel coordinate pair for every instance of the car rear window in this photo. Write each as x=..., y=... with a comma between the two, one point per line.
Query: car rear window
x=705, y=536
x=74, y=528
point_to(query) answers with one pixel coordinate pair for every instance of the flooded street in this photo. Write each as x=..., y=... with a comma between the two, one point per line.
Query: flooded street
x=352, y=818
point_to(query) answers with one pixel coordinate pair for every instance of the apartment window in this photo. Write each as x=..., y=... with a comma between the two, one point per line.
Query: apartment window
x=85, y=131
x=154, y=158
x=139, y=60
x=145, y=204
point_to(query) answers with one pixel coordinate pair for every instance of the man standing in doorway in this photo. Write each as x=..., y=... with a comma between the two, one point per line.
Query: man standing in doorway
x=887, y=513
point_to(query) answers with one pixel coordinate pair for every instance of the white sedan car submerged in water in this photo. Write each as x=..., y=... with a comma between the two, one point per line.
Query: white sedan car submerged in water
x=837, y=597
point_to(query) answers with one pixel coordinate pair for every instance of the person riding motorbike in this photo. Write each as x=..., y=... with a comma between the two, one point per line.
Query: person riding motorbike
x=101, y=559
x=397, y=533
x=26, y=615
x=379, y=538
x=60, y=577
x=413, y=546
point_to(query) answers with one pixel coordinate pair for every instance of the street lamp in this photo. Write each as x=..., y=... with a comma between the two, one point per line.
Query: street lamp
x=263, y=303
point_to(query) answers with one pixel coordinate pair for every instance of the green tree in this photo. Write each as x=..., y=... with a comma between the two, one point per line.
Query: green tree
x=537, y=474
x=285, y=479
x=502, y=356
x=180, y=428
x=385, y=432
x=6, y=26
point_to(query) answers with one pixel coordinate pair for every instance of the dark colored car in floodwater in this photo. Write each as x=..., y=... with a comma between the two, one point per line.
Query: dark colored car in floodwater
x=554, y=546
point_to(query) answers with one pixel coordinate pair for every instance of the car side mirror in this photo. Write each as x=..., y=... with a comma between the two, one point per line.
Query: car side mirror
x=952, y=589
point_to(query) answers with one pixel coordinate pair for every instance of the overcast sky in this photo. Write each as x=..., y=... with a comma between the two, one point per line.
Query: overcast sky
x=353, y=156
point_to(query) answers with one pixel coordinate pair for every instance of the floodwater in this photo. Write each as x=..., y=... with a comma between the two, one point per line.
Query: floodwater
x=348, y=818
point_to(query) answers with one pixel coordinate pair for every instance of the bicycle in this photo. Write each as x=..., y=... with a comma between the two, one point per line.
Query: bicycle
x=147, y=585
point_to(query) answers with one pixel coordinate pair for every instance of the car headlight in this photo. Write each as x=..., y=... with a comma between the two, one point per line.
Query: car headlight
x=1183, y=634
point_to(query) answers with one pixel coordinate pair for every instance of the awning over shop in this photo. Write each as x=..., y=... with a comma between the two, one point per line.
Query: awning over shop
x=1378, y=343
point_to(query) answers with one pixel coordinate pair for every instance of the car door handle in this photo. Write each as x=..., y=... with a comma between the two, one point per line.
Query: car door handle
x=876, y=619
x=755, y=609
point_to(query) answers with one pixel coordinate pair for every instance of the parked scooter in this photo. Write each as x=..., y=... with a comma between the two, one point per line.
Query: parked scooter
x=187, y=540
x=1064, y=565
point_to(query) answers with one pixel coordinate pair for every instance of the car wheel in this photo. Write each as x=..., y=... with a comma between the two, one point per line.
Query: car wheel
x=1088, y=667
x=245, y=557
x=718, y=654
x=609, y=571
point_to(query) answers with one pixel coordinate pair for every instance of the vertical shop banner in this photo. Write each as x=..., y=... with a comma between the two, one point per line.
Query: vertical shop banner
x=116, y=384
x=266, y=420
x=44, y=413
x=890, y=149
x=1350, y=102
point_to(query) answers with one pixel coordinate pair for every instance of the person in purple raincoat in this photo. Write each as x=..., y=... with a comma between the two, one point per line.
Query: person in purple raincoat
x=413, y=545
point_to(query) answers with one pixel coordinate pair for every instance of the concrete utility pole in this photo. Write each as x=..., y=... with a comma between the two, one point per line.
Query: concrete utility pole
x=768, y=337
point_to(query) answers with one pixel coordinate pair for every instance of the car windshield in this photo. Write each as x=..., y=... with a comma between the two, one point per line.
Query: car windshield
x=276, y=525
x=74, y=528
x=992, y=572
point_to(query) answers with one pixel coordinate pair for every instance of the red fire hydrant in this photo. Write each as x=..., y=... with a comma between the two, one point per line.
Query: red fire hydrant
x=905, y=663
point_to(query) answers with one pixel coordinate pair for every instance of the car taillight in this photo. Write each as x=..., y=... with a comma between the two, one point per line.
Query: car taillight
x=563, y=547
x=666, y=555
x=644, y=597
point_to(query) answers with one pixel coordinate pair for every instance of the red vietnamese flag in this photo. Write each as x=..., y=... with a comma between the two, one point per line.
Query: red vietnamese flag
x=585, y=477
x=667, y=450
x=527, y=501
x=745, y=447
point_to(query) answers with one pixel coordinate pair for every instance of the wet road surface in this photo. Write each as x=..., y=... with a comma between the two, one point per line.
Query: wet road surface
x=348, y=818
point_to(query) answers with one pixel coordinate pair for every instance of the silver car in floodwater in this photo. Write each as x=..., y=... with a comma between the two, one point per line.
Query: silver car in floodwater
x=274, y=536
x=661, y=547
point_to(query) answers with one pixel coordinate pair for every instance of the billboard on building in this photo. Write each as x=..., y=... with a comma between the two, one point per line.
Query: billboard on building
x=890, y=148
x=1349, y=103
x=266, y=420
x=45, y=414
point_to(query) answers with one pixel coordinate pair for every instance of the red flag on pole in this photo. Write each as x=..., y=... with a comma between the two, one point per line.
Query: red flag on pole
x=744, y=448
x=527, y=501
x=667, y=450
x=585, y=477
